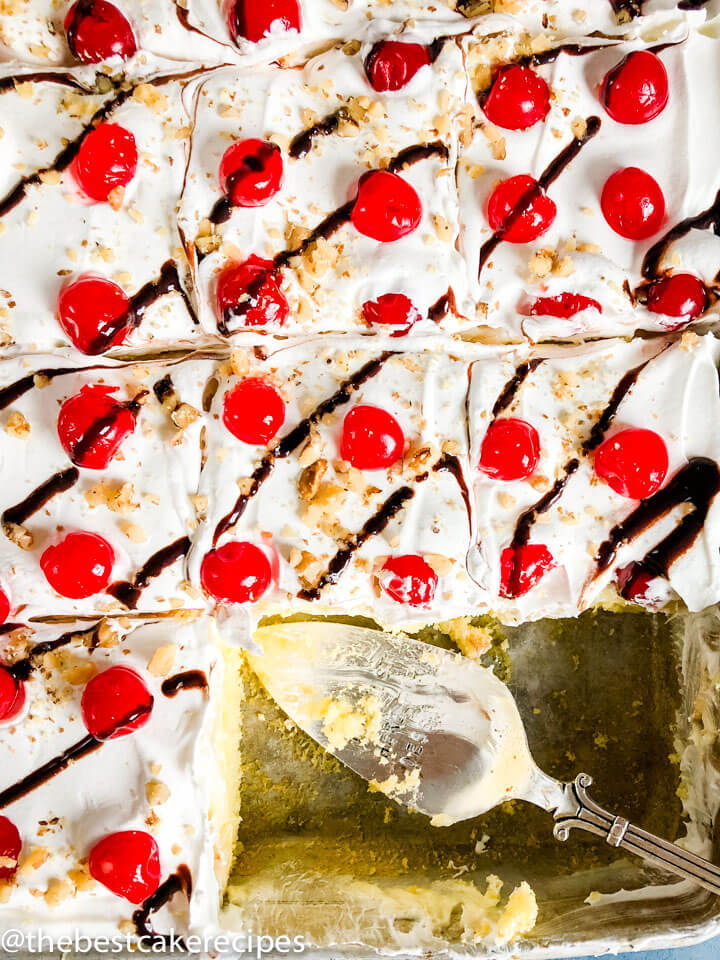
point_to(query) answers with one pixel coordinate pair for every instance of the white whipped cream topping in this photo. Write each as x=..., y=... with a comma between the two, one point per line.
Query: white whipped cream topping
x=426, y=394
x=589, y=257
x=676, y=395
x=70, y=235
x=271, y=103
x=161, y=462
x=105, y=791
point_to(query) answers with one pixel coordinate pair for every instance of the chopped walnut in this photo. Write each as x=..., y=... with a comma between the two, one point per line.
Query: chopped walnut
x=58, y=890
x=184, y=415
x=156, y=792
x=161, y=662
x=134, y=532
x=80, y=878
x=17, y=426
x=34, y=859
x=309, y=482
x=18, y=535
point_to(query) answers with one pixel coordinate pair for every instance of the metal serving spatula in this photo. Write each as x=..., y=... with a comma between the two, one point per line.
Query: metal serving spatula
x=433, y=730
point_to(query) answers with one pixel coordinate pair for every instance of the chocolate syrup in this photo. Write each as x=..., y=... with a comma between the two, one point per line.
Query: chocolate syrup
x=82, y=748
x=128, y=592
x=546, y=179
x=164, y=389
x=297, y=436
x=446, y=304
x=22, y=669
x=449, y=463
x=509, y=391
x=372, y=527
x=412, y=155
x=178, y=882
x=696, y=483
x=58, y=483
x=19, y=388
x=190, y=680
x=702, y=221
x=302, y=144
x=61, y=79
x=99, y=428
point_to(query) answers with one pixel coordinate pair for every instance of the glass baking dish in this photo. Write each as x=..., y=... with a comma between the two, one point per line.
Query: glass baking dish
x=630, y=698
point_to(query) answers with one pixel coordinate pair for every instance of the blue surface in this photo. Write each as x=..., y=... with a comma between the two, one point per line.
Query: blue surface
x=706, y=951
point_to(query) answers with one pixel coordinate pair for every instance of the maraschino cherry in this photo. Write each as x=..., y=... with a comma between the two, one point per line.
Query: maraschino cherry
x=116, y=703
x=387, y=208
x=392, y=310
x=564, y=305
x=519, y=211
x=95, y=313
x=78, y=566
x=409, y=579
x=682, y=296
x=237, y=572
x=372, y=439
x=250, y=20
x=636, y=90
x=127, y=863
x=12, y=695
x=510, y=449
x=517, y=99
x=10, y=847
x=521, y=568
x=93, y=424
x=107, y=159
x=253, y=411
x=96, y=30
x=249, y=293
x=4, y=606
x=251, y=172
x=391, y=64
x=633, y=203
x=633, y=462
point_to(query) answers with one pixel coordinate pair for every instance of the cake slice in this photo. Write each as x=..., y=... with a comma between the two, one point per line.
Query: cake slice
x=89, y=184
x=335, y=480
x=278, y=241
x=100, y=465
x=118, y=798
x=597, y=467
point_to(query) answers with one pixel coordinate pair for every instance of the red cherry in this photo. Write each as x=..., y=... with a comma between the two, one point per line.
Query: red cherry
x=12, y=695
x=107, y=159
x=392, y=309
x=251, y=172
x=633, y=203
x=95, y=314
x=409, y=579
x=79, y=566
x=4, y=606
x=10, y=846
x=510, y=449
x=115, y=703
x=633, y=462
x=517, y=99
x=636, y=90
x=522, y=567
x=564, y=305
x=253, y=411
x=100, y=33
x=92, y=425
x=680, y=295
x=250, y=294
x=633, y=582
x=250, y=20
x=127, y=863
x=237, y=572
x=387, y=208
x=371, y=438
x=519, y=210
x=391, y=65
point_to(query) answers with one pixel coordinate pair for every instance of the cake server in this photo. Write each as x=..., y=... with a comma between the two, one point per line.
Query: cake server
x=435, y=731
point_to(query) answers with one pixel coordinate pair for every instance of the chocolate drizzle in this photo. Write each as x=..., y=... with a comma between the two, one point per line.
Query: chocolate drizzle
x=41, y=76
x=302, y=144
x=570, y=49
x=449, y=463
x=696, y=483
x=128, y=592
x=65, y=157
x=57, y=484
x=446, y=304
x=190, y=680
x=509, y=391
x=82, y=748
x=178, y=882
x=546, y=179
x=371, y=528
x=421, y=151
x=100, y=427
x=164, y=389
x=21, y=669
x=709, y=218
x=19, y=388
x=297, y=436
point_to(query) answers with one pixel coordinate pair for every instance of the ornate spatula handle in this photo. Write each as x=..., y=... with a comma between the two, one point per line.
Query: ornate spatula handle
x=619, y=832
